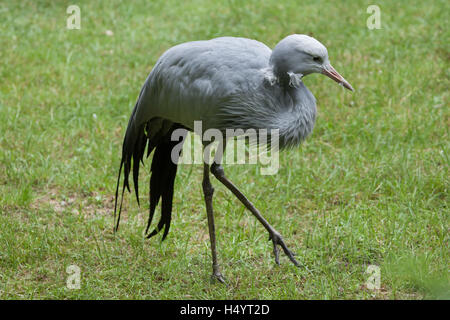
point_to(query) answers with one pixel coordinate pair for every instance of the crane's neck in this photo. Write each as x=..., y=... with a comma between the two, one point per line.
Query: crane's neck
x=296, y=119
x=273, y=105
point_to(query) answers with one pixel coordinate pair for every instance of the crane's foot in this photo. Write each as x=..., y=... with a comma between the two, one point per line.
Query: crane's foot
x=277, y=239
x=217, y=276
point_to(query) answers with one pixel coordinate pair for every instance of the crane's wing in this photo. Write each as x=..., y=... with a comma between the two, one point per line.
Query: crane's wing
x=189, y=80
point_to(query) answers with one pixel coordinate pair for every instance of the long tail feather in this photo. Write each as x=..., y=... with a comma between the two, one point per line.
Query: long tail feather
x=125, y=164
x=132, y=151
x=162, y=181
x=163, y=170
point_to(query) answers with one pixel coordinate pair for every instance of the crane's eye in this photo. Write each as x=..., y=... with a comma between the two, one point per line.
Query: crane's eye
x=317, y=59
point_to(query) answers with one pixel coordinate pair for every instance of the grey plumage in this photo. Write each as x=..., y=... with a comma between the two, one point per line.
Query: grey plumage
x=202, y=79
x=227, y=83
x=292, y=112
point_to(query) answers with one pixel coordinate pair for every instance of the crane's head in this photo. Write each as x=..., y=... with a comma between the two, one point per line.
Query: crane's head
x=298, y=55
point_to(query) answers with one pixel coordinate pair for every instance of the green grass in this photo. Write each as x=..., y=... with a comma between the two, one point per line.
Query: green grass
x=370, y=186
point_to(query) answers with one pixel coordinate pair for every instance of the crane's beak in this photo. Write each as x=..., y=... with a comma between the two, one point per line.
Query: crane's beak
x=333, y=74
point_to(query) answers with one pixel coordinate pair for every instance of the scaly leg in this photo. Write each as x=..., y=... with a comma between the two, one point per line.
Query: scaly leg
x=208, y=192
x=217, y=171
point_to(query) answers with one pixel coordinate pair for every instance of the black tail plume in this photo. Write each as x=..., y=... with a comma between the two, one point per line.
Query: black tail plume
x=163, y=170
x=162, y=181
x=132, y=143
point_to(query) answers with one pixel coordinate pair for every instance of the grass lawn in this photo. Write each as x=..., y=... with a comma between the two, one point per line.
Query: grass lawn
x=369, y=187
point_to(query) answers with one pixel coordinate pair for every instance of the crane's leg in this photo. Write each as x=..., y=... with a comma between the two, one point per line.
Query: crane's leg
x=218, y=172
x=208, y=192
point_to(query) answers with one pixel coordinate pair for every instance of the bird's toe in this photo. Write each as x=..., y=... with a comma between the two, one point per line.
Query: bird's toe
x=217, y=276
